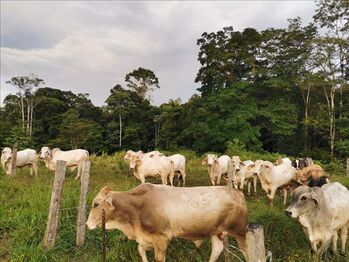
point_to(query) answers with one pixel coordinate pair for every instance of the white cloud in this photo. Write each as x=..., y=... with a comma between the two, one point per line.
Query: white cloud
x=91, y=46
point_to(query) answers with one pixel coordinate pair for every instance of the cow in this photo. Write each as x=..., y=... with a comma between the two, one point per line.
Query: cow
x=322, y=212
x=74, y=158
x=273, y=177
x=284, y=160
x=242, y=172
x=152, y=166
x=26, y=157
x=216, y=167
x=312, y=175
x=301, y=163
x=179, y=166
x=130, y=153
x=154, y=214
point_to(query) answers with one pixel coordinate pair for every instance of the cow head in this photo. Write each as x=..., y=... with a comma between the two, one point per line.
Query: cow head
x=237, y=163
x=103, y=200
x=6, y=155
x=210, y=159
x=134, y=160
x=302, y=163
x=45, y=152
x=257, y=167
x=304, y=200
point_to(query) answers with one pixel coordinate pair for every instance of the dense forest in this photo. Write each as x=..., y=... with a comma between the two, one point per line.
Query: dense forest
x=280, y=90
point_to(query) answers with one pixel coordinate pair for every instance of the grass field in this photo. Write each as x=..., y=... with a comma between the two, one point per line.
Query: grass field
x=24, y=202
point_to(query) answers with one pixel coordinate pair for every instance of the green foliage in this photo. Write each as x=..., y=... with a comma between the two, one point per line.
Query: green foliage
x=142, y=81
x=19, y=136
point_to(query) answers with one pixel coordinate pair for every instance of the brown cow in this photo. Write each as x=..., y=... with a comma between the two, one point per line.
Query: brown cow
x=154, y=214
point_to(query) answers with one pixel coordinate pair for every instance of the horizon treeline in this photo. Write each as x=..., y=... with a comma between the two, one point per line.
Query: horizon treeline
x=279, y=90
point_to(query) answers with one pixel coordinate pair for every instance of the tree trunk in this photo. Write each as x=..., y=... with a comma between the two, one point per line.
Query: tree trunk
x=28, y=113
x=120, y=130
x=305, y=126
x=332, y=122
x=31, y=118
x=22, y=109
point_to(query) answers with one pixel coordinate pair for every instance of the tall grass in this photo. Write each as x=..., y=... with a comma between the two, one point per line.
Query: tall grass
x=24, y=202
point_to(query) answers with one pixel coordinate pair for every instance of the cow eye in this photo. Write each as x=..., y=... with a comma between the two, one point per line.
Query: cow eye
x=303, y=198
x=95, y=205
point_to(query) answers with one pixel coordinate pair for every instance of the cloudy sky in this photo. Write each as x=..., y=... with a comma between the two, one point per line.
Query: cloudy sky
x=88, y=47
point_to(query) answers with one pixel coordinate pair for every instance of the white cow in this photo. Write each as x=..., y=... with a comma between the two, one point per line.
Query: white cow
x=216, y=167
x=130, y=153
x=26, y=157
x=322, y=212
x=152, y=166
x=179, y=166
x=242, y=172
x=272, y=177
x=284, y=160
x=74, y=158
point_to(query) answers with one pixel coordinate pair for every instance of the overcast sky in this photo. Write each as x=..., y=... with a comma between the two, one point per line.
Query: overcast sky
x=88, y=47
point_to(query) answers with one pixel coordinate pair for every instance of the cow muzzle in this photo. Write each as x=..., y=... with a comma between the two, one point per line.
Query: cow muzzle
x=255, y=174
x=288, y=213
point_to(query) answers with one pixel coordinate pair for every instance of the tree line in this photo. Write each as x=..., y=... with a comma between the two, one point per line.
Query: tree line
x=278, y=90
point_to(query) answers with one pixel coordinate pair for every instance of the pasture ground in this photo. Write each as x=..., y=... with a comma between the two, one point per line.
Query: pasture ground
x=24, y=202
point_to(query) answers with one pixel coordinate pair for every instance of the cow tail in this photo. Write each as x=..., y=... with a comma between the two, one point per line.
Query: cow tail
x=87, y=155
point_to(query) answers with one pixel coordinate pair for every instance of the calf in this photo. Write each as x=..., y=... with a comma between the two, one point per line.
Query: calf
x=216, y=167
x=74, y=158
x=322, y=212
x=179, y=166
x=242, y=172
x=284, y=160
x=152, y=166
x=274, y=177
x=154, y=214
x=26, y=157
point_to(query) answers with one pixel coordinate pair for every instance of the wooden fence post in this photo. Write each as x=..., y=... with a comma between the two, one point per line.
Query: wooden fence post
x=255, y=243
x=55, y=204
x=227, y=255
x=14, y=159
x=347, y=166
x=81, y=227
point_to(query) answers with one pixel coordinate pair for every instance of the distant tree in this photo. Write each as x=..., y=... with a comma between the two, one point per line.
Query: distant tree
x=25, y=86
x=142, y=81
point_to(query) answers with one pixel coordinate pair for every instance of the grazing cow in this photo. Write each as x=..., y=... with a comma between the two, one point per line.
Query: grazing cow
x=152, y=165
x=242, y=172
x=74, y=158
x=216, y=167
x=274, y=177
x=312, y=175
x=26, y=157
x=154, y=214
x=322, y=212
x=130, y=153
x=284, y=160
x=179, y=166
x=301, y=163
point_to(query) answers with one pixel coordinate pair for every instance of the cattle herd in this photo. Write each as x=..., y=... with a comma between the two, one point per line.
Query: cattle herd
x=154, y=214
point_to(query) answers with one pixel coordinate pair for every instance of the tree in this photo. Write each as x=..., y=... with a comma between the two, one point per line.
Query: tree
x=333, y=15
x=142, y=81
x=25, y=86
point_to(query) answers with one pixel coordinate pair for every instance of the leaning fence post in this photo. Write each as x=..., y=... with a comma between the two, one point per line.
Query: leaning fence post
x=104, y=238
x=227, y=255
x=255, y=243
x=55, y=204
x=14, y=160
x=348, y=166
x=81, y=227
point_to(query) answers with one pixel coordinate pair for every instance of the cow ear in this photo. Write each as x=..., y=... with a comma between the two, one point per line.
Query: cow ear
x=105, y=190
x=295, y=184
x=315, y=198
x=109, y=201
x=242, y=163
x=204, y=161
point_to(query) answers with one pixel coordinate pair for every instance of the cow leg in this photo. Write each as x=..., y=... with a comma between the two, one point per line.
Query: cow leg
x=171, y=180
x=160, y=250
x=217, y=247
x=324, y=245
x=242, y=182
x=31, y=170
x=285, y=195
x=142, y=253
x=183, y=177
x=219, y=179
x=271, y=196
x=334, y=241
x=213, y=182
x=79, y=171
x=142, y=178
x=344, y=235
x=249, y=187
x=255, y=185
x=35, y=168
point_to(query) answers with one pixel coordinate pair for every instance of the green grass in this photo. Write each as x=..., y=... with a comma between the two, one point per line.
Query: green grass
x=24, y=202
